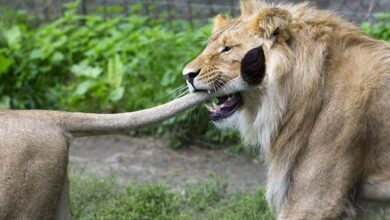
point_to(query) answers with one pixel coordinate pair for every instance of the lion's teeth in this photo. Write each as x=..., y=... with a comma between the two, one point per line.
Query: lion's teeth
x=209, y=91
x=216, y=107
x=209, y=107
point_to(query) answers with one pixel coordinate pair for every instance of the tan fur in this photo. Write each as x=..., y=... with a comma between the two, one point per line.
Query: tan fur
x=220, y=21
x=34, y=153
x=321, y=114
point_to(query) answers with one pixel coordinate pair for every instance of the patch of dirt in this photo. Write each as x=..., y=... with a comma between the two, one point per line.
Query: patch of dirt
x=147, y=159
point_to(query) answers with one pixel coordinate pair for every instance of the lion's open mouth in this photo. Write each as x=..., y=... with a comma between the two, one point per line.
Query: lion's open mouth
x=224, y=107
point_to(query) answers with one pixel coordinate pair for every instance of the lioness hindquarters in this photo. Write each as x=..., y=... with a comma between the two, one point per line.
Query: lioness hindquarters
x=34, y=153
x=33, y=161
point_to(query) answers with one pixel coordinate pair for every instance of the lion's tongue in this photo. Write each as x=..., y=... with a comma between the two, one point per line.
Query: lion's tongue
x=226, y=106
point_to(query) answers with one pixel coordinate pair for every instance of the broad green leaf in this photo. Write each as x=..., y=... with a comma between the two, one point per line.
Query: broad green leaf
x=44, y=69
x=115, y=71
x=57, y=57
x=382, y=15
x=13, y=36
x=83, y=87
x=5, y=102
x=5, y=64
x=117, y=94
x=167, y=79
x=36, y=54
x=85, y=70
x=60, y=42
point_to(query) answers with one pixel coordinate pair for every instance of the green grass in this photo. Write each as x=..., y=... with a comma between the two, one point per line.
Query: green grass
x=95, y=198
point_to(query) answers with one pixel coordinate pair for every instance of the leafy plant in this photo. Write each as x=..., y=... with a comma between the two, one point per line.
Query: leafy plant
x=380, y=29
x=97, y=64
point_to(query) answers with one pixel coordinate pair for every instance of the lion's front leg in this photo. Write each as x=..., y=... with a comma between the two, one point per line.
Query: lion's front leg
x=322, y=197
x=321, y=185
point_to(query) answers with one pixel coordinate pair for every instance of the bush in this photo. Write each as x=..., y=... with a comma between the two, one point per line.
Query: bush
x=90, y=58
x=380, y=29
x=96, y=64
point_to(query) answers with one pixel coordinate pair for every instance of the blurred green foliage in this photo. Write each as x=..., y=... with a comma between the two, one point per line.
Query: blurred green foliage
x=380, y=29
x=97, y=198
x=97, y=64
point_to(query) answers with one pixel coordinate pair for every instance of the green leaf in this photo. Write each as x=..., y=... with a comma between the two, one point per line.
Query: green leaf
x=36, y=54
x=382, y=15
x=85, y=70
x=117, y=94
x=115, y=72
x=57, y=57
x=5, y=102
x=83, y=87
x=13, y=36
x=61, y=42
x=167, y=79
x=5, y=64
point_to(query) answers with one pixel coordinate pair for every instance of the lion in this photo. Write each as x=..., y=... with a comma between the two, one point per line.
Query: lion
x=34, y=153
x=311, y=91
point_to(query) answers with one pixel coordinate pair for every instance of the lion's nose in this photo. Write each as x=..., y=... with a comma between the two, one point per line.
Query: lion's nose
x=190, y=75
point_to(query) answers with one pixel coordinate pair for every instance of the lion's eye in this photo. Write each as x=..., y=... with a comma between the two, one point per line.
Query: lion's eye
x=226, y=49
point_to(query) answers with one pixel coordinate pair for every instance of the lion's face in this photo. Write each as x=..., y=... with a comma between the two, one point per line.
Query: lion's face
x=220, y=61
x=235, y=61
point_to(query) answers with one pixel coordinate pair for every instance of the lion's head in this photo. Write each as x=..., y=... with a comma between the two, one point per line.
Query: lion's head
x=240, y=60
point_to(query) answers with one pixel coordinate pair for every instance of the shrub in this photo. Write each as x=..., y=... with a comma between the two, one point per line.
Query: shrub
x=96, y=64
x=380, y=29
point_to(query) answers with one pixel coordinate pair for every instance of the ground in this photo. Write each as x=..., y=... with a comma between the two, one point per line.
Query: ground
x=149, y=159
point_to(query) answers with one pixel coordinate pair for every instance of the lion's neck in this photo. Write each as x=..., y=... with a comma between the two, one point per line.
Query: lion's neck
x=259, y=126
x=280, y=121
x=259, y=122
x=277, y=124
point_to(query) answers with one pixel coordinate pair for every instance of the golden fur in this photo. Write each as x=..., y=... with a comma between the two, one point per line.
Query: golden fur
x=321, y=114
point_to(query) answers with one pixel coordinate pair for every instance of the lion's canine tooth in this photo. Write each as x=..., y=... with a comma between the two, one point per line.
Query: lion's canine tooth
x=216, y=107
x=209, y=107
x=209, y=91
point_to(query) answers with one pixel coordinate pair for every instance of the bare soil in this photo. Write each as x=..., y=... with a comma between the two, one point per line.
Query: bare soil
x=148, y=159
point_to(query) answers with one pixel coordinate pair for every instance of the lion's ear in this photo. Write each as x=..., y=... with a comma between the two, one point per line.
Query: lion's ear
x=273, y=22
x=253, y=66
x=220, y=21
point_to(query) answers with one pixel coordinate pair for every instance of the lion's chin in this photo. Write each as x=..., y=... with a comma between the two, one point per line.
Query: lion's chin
x=228, y=123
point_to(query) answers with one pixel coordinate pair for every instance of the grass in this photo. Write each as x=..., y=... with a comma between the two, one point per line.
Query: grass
x=96, y=198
